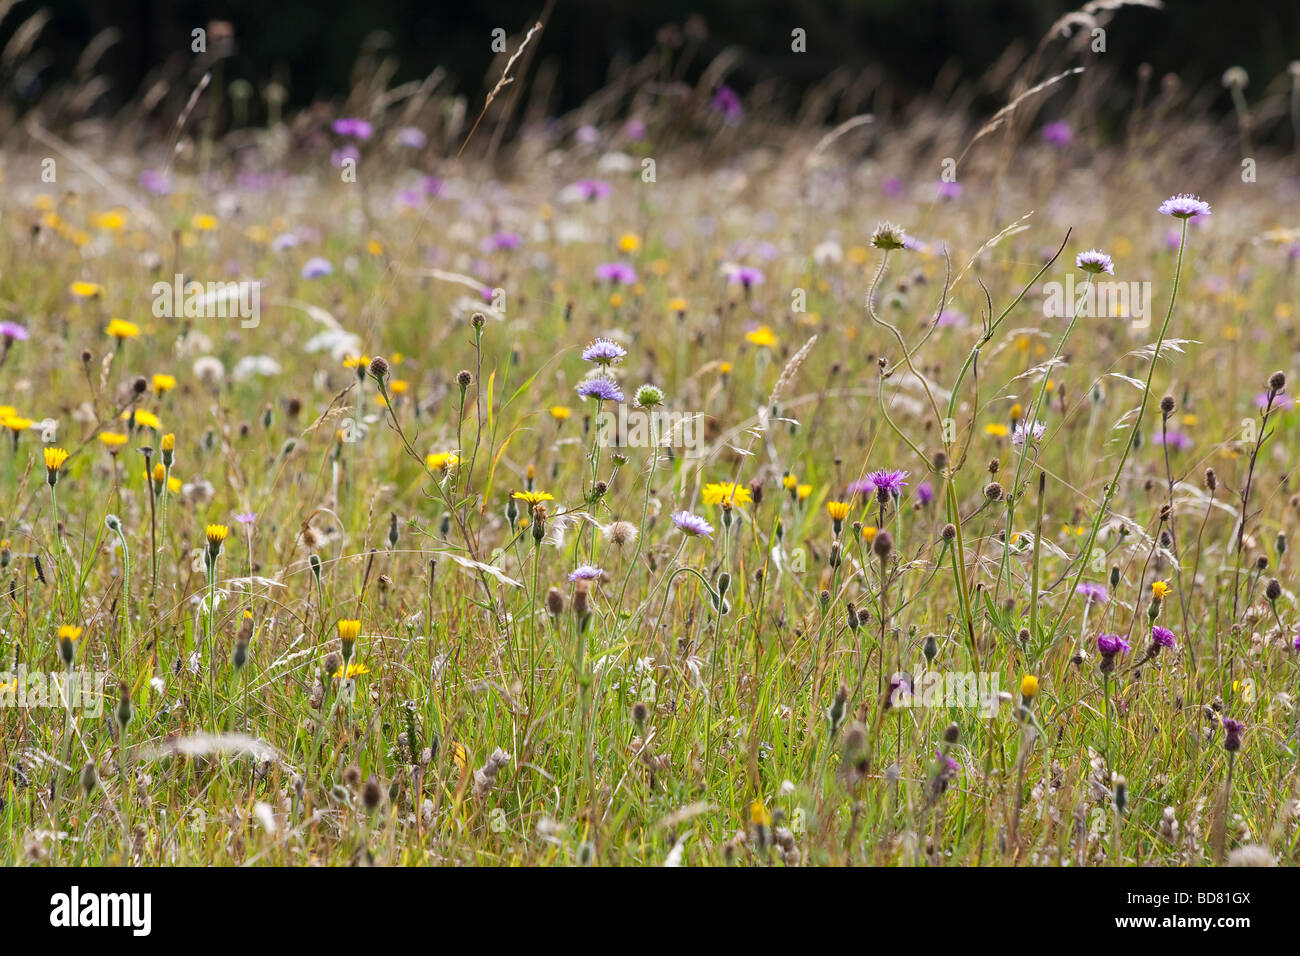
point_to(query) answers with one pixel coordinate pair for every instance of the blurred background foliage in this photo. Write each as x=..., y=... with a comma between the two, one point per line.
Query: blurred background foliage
x=910, y=48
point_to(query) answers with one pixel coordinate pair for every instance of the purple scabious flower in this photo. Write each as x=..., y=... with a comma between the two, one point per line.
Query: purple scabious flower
x=1279, y=401
x=601, y=389
x=586, y=572
x=316, y=268
x=603, y=352
x=155, y=182
x=500, y=240
x=616, y=272
x=951, y=317
x=745, y=275
x=590, y=189
x=411, y=137
x=727, y=102
x=924, y=493
x=1058, y=134
x=1093, y=593
x=12, y=332
x=1232, y=730
x=1185, y=206
x=1094, y=261
x=285, y=240
x=246, y=517
x=353, y=126
x=692, y=525
x=1108, y=645
x=1034, y=431
x=1163, y=637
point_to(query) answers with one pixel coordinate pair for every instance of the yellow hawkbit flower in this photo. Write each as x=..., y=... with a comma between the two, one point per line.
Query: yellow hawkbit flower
x=353, y=670
x=143, y=418
x=442, y=461
x=868, y=533
x=216, y=533
x=16, y=423
x=399, y=386
x=839, y=510
x=677, y=305
x=759, y=815
x=997, y=430
x=1016, y=412
x=629, y=242
x=352, y=361
x=561, y=413
x=1159, y=589
x=205, y=222
x=789, y=481
x=1028, y=687
x=762, y=337
x=169, y=442
x=719, y=492
x=122, y=329
x=86, y=290
x=375, y=247
x=113, y=439
x=54, y=458
x=803, y=491
x=724, y=368
x=159, y=476
x=349, y=631
x=533, y=497
x=67, y=636
x=163, y=383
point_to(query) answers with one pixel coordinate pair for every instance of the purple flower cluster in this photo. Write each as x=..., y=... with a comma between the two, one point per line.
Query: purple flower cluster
x=1094, y=261
x=1185, y=206
x=616, y=272
x=1093, y=593
x=1163, y=637
x=354, y=127
x=603, y=352
x=601, y=389
x=1108, y=645
x=586, y=572
x=692, y=525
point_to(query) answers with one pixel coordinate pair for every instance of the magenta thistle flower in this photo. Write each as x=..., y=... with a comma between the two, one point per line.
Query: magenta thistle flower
x=1093, y=593
x=601, y=389
x=586, y=572
x=590, y=189
x=1296, y=642
x=1163, y=637
x=12, y=332
x=1176, y=440
x=352, y=126
x=1185, y=206
x=1094, y=261
x=692, y=525
x=745, y=275
x=616, y=272
x=1058, y=134
x=603, y=352
x=727, y=102
x=1108, y=645
x=924, y=493
x=1232, y=730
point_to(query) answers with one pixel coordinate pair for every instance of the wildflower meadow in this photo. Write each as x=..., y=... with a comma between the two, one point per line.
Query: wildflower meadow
x=429, y=478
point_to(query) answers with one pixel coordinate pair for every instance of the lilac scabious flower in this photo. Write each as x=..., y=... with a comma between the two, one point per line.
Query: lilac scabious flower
x=411, y=137
x=1185, y=206
x=745, y=275
x=603, y=352
x=727, y=102
x=353, y=126
x=1058, y=134
x=316, y=268
x=1034, y=431
x=586, y=572
x=1279, y=401
x=12, y=332
x=500, y=240
x=155, y=182
x=924, y=493
x=913, y=244
x=601, y=389
x=692, y=525
x=617, y=272
x=1093, y=593
x=1163, y=637
x=285, y=240
x=1094, y=261
x=246, y=517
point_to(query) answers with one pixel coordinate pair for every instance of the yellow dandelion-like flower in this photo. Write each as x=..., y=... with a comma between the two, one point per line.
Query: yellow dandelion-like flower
x=169, y=442
x=216, y=533
x=86, y=290
x=441, y=461
x=1029, y=687
x=677, y=305
x=1016, y=412
x=16, y=423
x=724, y=368
x=561, y=413
x=352, y=361
x=533, y=497
x=1159, y=589
x=205, y=222
x=789, y=481
x=349, y=631
x=69, y=632
x=111, y=221
x=715, y=493
x=629, y=242
x=762, y=337
x=661, y=267
x=113, y=439
x=54, y=458
x=759, y=815
x=375, y=247
x=353, y=671
x=803, y=491
x=163, y=383
x=616, y=300
x=996, y=429
x=122, y=329
x=143, y=419
x=869, y=533
x=839, y=510
x=399, y=386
